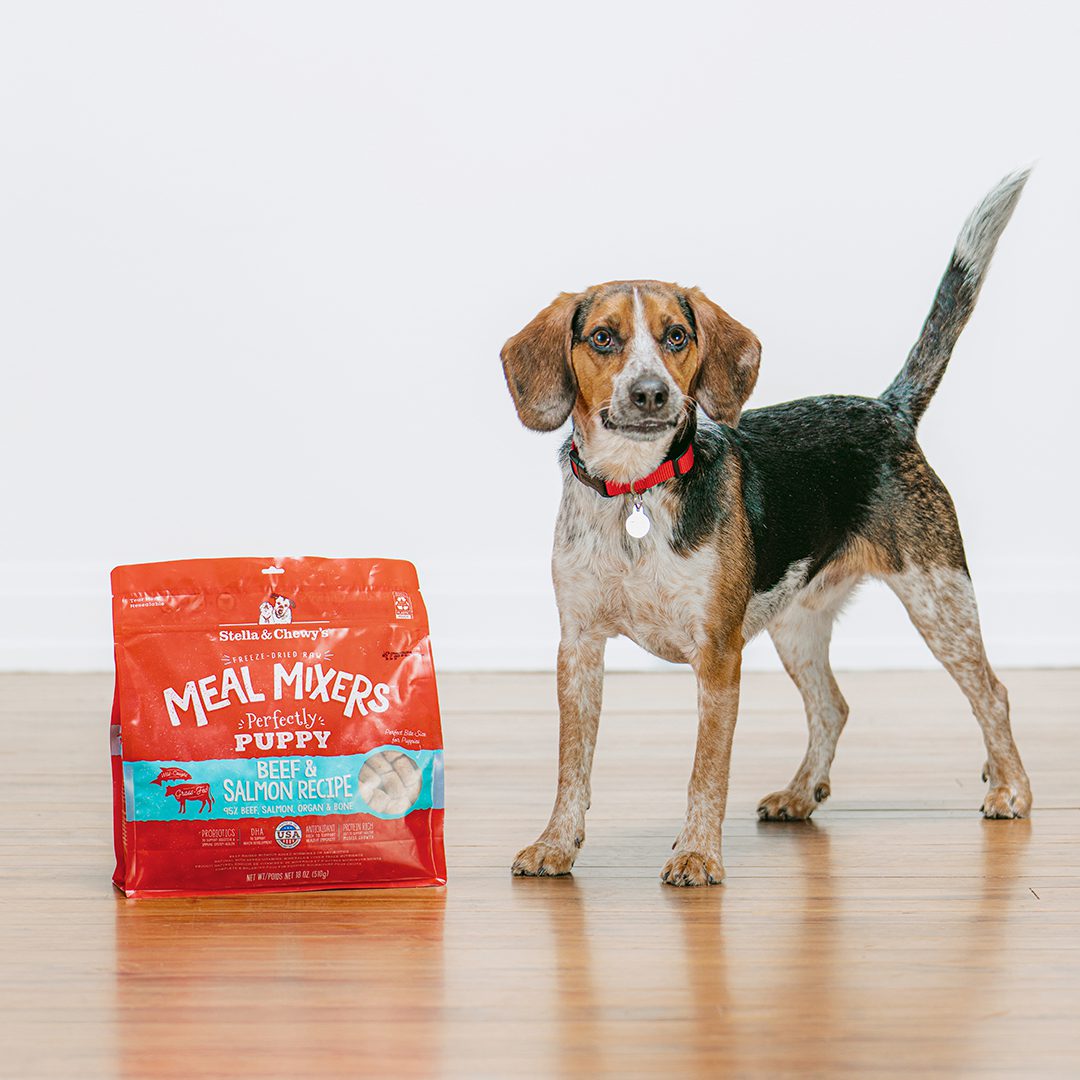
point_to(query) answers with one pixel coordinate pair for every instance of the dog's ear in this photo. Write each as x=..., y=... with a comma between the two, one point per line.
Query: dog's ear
x=536, y=362
x=730, y=356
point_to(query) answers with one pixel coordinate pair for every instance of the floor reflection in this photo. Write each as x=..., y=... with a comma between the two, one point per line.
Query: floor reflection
x=822, y=946
x=709, y=1025
x=580, y=1000
x=851, y=952
x=198, y=979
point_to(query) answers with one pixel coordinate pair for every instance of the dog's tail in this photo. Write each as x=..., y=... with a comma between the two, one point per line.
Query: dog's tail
x=910, y=392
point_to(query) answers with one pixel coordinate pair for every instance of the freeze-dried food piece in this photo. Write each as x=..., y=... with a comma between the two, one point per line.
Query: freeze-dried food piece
x=390, y=782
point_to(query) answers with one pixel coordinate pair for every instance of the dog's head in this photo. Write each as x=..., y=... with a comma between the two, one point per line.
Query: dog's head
x=630, y=357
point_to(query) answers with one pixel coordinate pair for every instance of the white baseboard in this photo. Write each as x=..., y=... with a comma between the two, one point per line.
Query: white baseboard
x=502, y=617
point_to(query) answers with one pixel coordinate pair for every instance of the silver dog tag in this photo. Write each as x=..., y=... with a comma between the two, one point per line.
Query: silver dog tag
x=638, y=523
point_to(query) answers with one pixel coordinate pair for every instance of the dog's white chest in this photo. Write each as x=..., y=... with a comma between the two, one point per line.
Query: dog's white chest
x=610, y=582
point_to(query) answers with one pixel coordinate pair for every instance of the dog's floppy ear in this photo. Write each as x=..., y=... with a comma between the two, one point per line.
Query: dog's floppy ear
x=730, y=355
x=536, y=362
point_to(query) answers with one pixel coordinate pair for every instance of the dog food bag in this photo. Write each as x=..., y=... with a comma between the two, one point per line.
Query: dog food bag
x=275, y=727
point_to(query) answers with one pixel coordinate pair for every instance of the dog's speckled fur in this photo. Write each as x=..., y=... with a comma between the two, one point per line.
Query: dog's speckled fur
x=785, y=510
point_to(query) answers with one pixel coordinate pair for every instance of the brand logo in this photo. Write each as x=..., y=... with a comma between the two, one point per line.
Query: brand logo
x=278, y=609
x=288, y=834
x=403, y=605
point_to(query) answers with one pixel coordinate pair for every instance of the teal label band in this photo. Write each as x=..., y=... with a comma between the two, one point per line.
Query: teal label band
x=387, y=782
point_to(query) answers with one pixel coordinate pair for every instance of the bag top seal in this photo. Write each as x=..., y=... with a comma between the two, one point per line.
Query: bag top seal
x=240, y=594
x=194, y=576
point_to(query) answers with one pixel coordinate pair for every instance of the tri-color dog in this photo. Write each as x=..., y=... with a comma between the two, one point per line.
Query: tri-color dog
x=690, y=529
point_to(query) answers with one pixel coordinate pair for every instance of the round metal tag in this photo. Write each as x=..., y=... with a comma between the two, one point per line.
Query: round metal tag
x=638, y=523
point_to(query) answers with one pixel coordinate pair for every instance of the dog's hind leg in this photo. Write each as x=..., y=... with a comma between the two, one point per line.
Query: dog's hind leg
x=941, y=603
x=801, y=634
x=580, y=682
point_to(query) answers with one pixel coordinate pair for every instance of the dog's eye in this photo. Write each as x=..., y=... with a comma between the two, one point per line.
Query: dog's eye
x=602, y=340
x=676, y=338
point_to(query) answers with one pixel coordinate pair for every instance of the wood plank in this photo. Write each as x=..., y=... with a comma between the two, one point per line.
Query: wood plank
x=897, y=932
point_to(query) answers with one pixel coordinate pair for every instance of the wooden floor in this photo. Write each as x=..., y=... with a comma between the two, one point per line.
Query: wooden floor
x=897, y=933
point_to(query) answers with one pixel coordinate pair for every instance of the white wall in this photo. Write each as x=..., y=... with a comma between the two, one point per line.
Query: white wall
x=257, y=261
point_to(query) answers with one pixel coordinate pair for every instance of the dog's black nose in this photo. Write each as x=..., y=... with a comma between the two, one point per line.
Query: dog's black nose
x=649, y=394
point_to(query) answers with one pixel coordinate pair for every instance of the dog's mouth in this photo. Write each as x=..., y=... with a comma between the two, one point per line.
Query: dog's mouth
x=642, y=430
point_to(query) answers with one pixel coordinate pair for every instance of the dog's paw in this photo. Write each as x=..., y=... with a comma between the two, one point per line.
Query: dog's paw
x=692, y=868
x=788, y=805
x=1003, y=801
x=542, y=860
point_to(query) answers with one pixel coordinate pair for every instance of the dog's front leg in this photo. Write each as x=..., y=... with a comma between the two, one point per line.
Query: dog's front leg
x=697, y=859
x=580, y=680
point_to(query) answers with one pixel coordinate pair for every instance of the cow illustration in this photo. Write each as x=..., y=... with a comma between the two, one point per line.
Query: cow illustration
x=171, y=773
x=182, y=793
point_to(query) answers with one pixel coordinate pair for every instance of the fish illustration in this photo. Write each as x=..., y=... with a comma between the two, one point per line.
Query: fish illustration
x=171, y=774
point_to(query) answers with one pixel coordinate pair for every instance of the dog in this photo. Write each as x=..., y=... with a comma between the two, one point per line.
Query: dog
x=282, y=608
x=690, y=527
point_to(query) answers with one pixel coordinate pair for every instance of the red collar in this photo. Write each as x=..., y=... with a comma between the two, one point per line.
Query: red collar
x=679, y=462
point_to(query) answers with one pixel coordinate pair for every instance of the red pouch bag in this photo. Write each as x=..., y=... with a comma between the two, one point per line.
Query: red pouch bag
x=275, y=727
